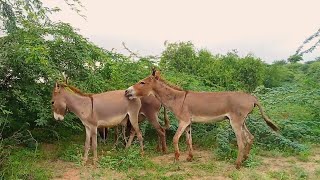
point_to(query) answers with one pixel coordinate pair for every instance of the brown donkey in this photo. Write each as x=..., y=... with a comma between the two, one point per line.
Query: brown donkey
x=150, y=107
x=202, y=107
x=106, y=109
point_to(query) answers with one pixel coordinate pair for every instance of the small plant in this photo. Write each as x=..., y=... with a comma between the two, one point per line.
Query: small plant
x=304, y=156
x=300, y=173
x=280, y=175
x=72, y=153
x=252, y=161
x=317, y=173
x=123, y=160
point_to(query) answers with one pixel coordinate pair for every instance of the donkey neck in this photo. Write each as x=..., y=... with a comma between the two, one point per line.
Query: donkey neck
x=168, y=96
x=78, y=104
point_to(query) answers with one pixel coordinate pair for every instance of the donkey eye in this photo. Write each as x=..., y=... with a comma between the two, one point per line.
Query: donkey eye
x=52, y=102
x=142, y=82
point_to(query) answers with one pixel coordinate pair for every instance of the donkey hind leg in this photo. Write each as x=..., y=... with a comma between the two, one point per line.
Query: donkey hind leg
x=123, y=127
x=176, y=137
x=116, y=135
x=189, y=142
x=94, y=145
x=237, y=123
x=153, y=119
x=103, y=132
x=132, y=134
x=135, y=124
x=86, y=145
x=249, y=138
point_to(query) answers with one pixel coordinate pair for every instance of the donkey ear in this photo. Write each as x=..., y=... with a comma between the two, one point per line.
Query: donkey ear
x=66, y=79
x=154, y=71
x=56, y=87
x=157, y=75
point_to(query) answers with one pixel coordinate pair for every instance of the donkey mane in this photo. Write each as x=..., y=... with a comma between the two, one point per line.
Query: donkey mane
x=75, y=90
x=171, y=85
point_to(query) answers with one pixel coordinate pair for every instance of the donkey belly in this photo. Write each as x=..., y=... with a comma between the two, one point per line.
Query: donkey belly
x=111, y=121
x=208, y=119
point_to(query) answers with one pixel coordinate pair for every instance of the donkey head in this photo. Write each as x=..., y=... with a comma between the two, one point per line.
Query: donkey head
x=143, y=87
x=59, y=105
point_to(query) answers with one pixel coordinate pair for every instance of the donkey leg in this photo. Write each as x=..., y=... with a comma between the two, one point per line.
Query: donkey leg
x=189, y=142
x=132, y=134
x=86, y=145
x=176, y=137
x=236, y=123
x=249, y=142
x=166, y=119
x=124, y=134
x=94, y=145
x=134, y=122
x=116, y=136
x=153, y=119
x=103, y=134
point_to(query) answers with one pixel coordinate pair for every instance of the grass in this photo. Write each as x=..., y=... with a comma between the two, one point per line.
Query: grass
x=280, y=175
x=26, y=164
x=63, y=159
x=317, y=173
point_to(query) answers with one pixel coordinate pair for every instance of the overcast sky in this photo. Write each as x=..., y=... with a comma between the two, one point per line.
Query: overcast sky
x=270, y=29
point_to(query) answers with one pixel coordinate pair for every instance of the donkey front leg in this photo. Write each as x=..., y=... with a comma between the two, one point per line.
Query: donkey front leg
x=180, y=130
x=134, y=122
x=189, y=142
x=94, y=145
x=86, y=145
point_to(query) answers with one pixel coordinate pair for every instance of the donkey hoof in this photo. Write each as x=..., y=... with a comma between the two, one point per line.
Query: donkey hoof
x=84, y=163
x=189, y=158
x=165, y=151
x=158, y=149
x=142, y=153
x=95, y=161
x=176, y=156
x=245, y=157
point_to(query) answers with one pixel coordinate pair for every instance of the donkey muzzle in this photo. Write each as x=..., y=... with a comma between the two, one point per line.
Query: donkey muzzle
x=129, y=93
x=58, y=116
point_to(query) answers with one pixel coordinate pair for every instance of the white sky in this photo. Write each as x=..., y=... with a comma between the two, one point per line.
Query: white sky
x=270, y=29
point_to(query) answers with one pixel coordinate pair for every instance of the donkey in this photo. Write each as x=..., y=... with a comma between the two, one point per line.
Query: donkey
x=106, y=109
x=202, y=107
x=150, y=107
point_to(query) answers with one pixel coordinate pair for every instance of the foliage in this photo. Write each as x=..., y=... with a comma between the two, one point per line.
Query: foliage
x=229, y=71
x=295, y=58
x=35, y=52
x=313, y=37
x=16, y=14
x=31, y=63
x=277, y=74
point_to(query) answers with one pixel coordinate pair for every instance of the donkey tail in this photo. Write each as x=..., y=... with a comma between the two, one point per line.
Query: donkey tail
x=266, y=118
x=166, y=119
